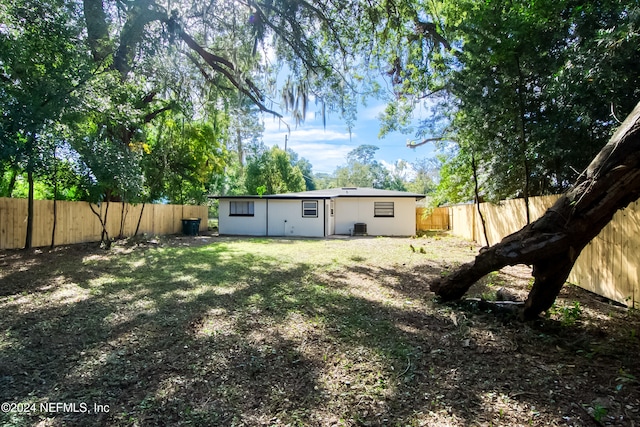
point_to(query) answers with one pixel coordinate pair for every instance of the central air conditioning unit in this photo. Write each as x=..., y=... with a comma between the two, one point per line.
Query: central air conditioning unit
x=360, y=229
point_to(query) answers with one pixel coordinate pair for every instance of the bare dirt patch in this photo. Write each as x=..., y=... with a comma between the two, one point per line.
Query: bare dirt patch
x=223, y=331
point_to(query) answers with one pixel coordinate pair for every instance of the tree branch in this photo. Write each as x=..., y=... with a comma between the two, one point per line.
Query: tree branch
x=132, y=33
x=287, y=37
x=414, y=144
x=433, y=92
x=97, y=29
x=152, y=115
x=553, y=242
x=218, y=64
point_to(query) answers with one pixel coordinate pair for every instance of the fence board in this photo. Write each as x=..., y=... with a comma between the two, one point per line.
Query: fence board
x=432, y=219
x=76, y=223
x=463, y=221
x=608, y=266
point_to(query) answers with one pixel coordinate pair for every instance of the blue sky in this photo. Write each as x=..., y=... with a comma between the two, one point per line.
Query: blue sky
x=327, y=148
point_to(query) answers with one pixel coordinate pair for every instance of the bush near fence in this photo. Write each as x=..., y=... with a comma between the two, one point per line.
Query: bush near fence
x=76, y=223
x=608, y=266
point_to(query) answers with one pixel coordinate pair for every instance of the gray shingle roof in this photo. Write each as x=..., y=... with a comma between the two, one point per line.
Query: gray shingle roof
x=333, y=193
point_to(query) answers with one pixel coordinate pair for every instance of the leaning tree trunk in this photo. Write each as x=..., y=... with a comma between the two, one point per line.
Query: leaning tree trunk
x=553, y=242
x=476, y=192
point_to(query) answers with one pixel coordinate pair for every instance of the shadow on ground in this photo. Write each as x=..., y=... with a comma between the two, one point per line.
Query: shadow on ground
x=235, y=334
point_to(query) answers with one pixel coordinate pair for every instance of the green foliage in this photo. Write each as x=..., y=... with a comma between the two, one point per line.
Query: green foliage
x=532, y=90
x=362, y=170
x=363, y=154
x=41, y=64
x=568, y=315
x=180, y=159
x=305, y=167
x=324, y=180
x=272, y=169
x=124, y=74
x=599, y=412
x=102, y=138
x=455, y=186
x=426, y=174
x=21, y=189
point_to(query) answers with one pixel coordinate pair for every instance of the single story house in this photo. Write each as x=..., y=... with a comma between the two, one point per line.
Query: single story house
x=320, y=213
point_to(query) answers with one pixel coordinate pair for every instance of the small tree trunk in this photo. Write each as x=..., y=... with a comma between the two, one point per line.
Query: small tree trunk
x=55, y=221
x=477, y=194
x=240, y=149
x=139, y=220
x=553, y=242
x=123, y=217
x=104, y=236
x=55, y=199
x=12, y=182
x=28, y=243
x=527, y=206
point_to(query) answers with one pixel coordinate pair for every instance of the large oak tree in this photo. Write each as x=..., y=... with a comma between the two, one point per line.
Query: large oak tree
x=529, y=93
x=553, y=242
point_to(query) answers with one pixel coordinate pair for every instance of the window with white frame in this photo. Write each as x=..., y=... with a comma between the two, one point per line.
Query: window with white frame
x=309, y=209
x=244, y=208
x=383, y=209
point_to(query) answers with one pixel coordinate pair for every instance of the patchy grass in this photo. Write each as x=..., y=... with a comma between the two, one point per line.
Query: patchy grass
x=221, y=331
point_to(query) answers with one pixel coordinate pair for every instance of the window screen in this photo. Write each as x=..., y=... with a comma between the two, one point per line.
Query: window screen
x=383, y=209
x=241, y=209
x=309, y=208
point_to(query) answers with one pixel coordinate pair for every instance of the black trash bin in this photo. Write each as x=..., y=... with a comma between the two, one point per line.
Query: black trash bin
x=190, y=226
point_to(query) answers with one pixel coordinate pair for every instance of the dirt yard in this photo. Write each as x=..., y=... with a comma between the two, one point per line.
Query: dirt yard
x=249, y=332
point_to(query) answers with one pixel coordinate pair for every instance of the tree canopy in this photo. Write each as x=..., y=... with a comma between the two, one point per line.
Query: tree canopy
x=272, y=172
x=530, y=90
x=153, y=100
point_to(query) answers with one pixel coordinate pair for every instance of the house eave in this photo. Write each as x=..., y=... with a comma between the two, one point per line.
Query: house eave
x=333, y=193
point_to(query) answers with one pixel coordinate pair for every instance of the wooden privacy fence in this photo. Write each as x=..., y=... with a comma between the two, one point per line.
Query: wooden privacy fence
x=76, y=223
x=432, y=219
x=609, y=265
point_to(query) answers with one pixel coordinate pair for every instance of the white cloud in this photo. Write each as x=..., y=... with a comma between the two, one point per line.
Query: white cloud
x=323, y=157
x=274, y=130
x=326, y=149
x=372, y=112
x=408, y=174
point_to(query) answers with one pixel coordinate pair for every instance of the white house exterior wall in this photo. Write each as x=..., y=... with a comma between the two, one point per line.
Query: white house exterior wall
x=351, y=210
x=243, y=225
x=285, y=219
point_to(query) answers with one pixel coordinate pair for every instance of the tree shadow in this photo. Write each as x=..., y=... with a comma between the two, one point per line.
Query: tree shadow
x=219, y=336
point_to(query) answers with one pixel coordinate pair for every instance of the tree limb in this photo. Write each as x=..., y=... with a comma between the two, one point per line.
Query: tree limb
x=227, y=69
x=287, y=37
x=553, y=242
x=97, y=29
x=414, y=144
x=140, y=15
x=152, y=115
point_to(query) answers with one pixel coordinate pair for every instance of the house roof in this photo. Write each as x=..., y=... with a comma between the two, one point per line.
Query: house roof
x=331, y=193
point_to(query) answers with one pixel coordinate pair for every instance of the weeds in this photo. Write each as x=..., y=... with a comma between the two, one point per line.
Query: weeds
x=599, y=412
x=568, y=315
x=624, y=378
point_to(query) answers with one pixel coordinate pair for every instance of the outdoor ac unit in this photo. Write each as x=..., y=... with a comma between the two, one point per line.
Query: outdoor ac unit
x=360, y=229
